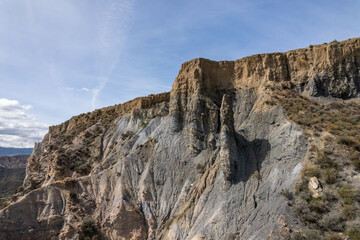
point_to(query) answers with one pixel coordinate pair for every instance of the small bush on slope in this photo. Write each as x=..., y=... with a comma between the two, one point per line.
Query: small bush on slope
x=89, y=230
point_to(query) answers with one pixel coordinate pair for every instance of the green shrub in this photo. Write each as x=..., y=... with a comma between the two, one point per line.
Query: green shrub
x=347, y=141
x=354, y=155
x=356, y=164
x=330, y=175
x=348, y=211
x=14, y=198
x=324, y=160
x=286, y=193
x=74, y=197
x=313, y=234
x=200, y=167
x=332, y=222
x=347, y=194
x=355, y=159
x=353, y=232
x=19, y=189
x=311, y=171
x=3, y=204
x=231, y=236
x=298, y=236
x=70, y=182
x=83, y=169
x=328, y=196
x=303, y=210
x=317, y=205
x=89, y=229
x=301, y=187
x=333, y=236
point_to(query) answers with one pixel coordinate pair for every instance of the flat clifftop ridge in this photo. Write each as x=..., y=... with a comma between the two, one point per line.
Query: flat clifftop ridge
x=297, y=67
x=351, y=42
x=111, y=112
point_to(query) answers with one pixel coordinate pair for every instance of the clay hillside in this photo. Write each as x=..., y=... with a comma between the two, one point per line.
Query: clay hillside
x=264, y=147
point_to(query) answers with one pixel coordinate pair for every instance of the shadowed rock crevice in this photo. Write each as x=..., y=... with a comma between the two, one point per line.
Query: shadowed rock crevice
x=250, y=158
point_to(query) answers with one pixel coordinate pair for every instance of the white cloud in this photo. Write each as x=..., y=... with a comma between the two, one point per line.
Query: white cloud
x=17, y=128
x=85, y=89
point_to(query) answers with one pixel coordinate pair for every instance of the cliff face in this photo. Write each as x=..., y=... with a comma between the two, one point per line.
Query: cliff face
x=205, y=161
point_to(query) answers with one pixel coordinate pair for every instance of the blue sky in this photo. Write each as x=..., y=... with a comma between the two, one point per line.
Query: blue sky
x=60, y=58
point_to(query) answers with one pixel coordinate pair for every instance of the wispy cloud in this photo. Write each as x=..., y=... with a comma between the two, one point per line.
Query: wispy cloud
x=114, y=23
x=84, y=89
x=17, y=128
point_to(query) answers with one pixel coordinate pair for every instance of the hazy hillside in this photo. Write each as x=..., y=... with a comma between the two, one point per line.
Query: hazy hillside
x=12, y=173
x=10, y=180
x=17, y=161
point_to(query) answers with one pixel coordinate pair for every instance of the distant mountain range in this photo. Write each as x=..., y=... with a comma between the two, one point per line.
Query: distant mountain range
x=14, y=151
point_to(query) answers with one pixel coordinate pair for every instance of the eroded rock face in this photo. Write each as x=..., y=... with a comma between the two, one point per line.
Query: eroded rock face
x=205, y=161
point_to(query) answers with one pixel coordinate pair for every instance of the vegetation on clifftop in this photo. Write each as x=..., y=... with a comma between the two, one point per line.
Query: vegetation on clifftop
x=333, y=132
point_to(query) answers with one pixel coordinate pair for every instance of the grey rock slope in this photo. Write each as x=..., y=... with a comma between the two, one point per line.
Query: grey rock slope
x=205, y=161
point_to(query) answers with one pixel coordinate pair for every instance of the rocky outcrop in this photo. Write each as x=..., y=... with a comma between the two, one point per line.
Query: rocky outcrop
x=228, y=148
x=205, y=161
x=315, y=187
